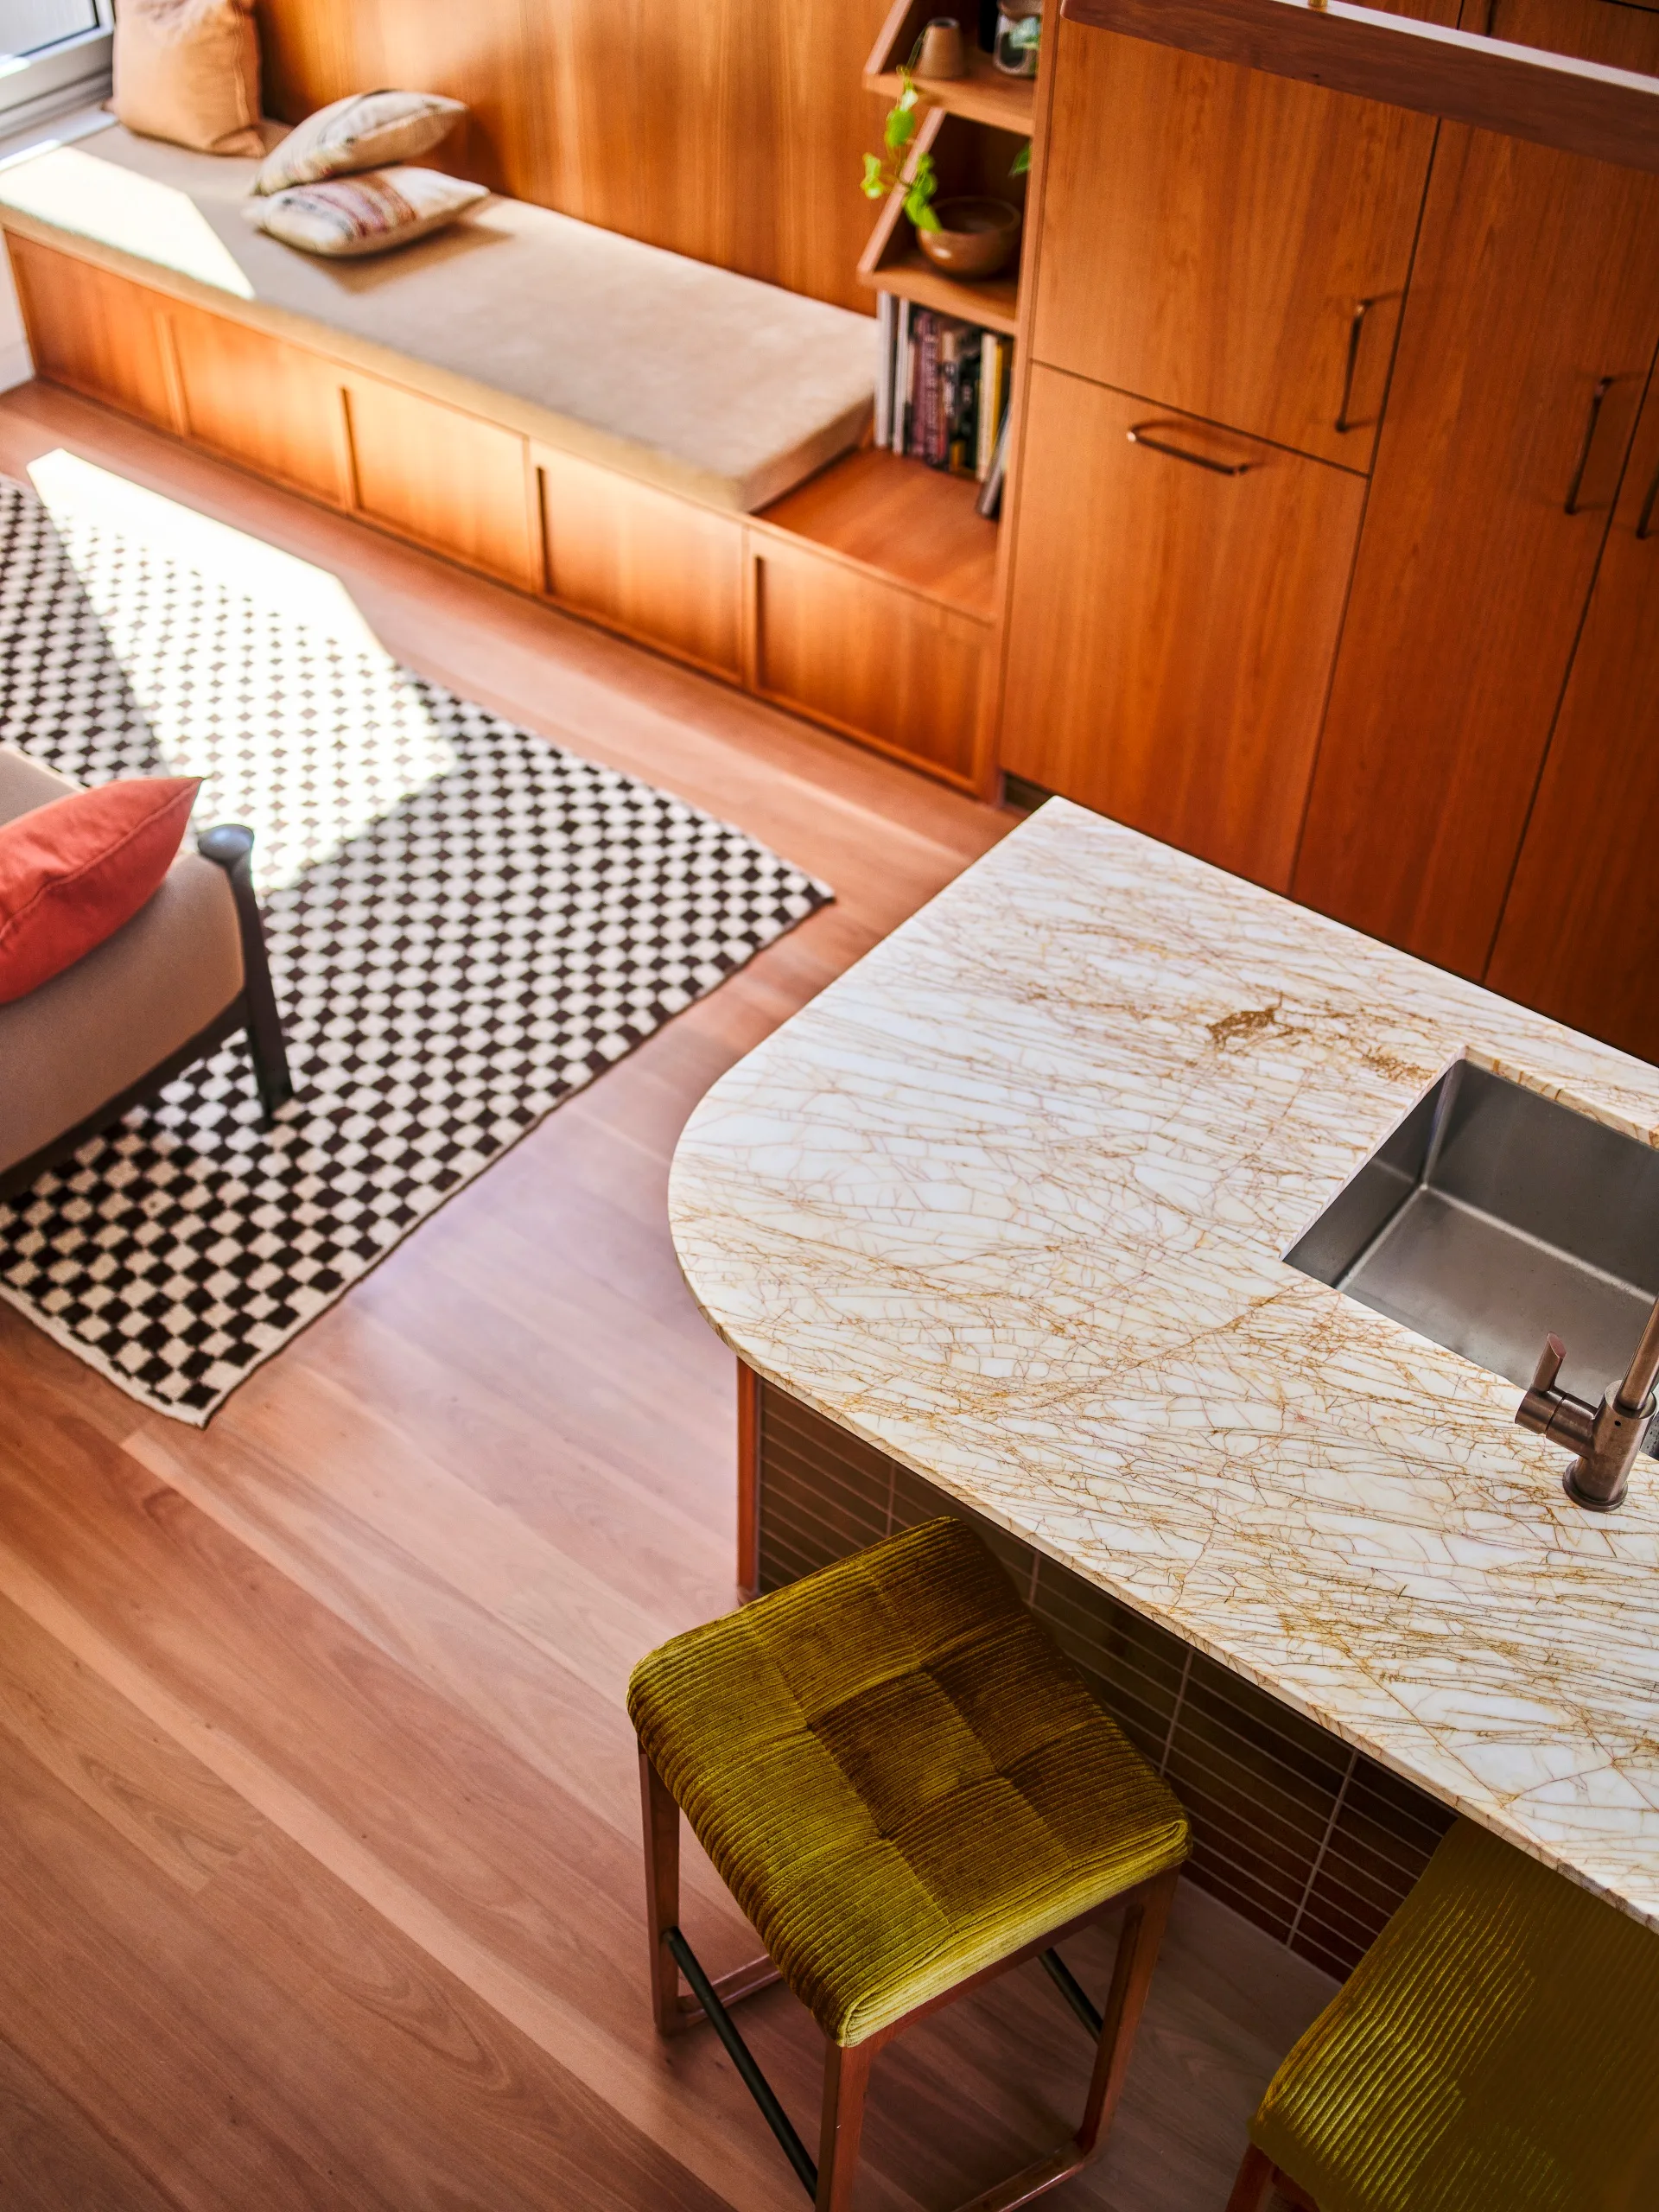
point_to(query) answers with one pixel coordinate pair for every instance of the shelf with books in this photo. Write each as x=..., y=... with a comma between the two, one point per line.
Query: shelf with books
x=986, y=94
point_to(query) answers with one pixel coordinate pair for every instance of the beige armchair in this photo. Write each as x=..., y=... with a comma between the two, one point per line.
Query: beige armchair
x=188, y=971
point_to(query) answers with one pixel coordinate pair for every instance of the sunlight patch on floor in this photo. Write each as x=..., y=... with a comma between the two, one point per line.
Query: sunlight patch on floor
x=254, y=669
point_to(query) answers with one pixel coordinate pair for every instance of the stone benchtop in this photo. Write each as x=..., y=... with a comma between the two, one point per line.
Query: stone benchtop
x=1009, y=1201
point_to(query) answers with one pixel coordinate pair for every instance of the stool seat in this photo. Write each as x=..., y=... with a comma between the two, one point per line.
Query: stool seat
x=1496, y=2050
x=897, y=1776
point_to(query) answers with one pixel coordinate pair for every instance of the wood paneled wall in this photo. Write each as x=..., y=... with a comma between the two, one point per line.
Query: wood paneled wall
x=728, y=130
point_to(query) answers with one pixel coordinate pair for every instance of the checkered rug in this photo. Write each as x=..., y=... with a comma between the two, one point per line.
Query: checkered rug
x=466, y=925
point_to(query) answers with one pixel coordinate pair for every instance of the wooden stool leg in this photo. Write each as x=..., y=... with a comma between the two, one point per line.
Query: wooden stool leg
x=1137, y=1954
x=846, y=2078
x=662, y=1825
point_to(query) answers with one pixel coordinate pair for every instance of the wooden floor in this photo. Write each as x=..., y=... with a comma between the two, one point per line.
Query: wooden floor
x=319, y=1864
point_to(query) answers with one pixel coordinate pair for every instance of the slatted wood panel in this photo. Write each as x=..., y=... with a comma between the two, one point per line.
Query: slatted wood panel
x=728, y=130
x=1305, y=1837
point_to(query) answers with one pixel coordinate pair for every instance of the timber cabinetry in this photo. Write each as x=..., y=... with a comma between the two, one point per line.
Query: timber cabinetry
x=1528, y=337
x=864, y=599
x=1172, y=618
x=1580, y=937
x=1228, y=243
x=94, y=332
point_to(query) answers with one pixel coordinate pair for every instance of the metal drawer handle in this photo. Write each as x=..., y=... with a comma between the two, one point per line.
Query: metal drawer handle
x=1362, y=309
x=1137, y=436
x=1644, y=520
x=1603, y=386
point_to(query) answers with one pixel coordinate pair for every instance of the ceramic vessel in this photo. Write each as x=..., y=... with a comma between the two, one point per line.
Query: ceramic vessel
x=941, y=53
x=975, y=238
x=1019, y=31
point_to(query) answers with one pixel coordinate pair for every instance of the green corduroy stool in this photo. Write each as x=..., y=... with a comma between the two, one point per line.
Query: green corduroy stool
x=908, y=1791
x=1496, y=2050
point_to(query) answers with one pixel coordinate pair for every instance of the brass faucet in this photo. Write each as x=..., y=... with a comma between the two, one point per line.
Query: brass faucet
x=1604, y=1439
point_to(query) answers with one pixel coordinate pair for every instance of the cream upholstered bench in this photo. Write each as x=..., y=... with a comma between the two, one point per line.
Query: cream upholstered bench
x=706, y=383
x=645, y=440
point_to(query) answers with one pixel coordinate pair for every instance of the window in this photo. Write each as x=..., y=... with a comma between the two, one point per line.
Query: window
x=53, y=54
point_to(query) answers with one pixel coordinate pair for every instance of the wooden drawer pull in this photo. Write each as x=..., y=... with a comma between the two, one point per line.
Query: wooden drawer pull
x=1603, y=386
x=1355, y=329
x=1137, y=436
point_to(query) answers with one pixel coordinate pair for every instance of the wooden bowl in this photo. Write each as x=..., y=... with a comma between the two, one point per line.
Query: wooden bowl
x=975, y=238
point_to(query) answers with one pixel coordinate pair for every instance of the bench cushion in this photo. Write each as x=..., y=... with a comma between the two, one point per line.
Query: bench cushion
x=713, y=386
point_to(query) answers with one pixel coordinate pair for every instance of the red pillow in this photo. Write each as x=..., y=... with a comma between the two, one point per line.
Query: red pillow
x=72, y=871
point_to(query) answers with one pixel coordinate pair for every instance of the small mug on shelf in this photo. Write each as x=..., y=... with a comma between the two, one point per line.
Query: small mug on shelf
x=1019, y=32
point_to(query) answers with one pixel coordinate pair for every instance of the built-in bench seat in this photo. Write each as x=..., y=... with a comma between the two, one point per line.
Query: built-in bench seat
x=643, y=438
x=712, y=385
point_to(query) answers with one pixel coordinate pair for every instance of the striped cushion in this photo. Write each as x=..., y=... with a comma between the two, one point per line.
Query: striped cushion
x=346, y=217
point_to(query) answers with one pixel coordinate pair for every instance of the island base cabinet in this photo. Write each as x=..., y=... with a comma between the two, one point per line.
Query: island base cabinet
x=1176, y=597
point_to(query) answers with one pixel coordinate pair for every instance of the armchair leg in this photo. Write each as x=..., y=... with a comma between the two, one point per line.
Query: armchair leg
x=1253, y=2191
x=662, y=1826
x=846, y=2079
x=229, y=846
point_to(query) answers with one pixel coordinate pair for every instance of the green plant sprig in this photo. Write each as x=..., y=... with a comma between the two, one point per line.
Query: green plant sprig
x=886, y=172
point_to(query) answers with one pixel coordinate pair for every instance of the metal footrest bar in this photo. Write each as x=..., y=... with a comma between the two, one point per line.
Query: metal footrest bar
x=743, y=2059
x=1073, y=1992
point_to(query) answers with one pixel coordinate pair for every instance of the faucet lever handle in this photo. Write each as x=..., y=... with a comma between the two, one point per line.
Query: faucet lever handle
x=1549, y=1364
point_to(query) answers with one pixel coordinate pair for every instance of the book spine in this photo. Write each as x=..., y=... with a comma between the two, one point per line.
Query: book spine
x=930, y=381
x=989, y=501
x=990, y=402
x=885, y=360
x=964, y=423
x=950, y=407
x=901, y=376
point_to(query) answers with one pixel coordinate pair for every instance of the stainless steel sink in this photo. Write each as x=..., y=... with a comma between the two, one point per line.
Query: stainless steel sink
x=1492, y=1218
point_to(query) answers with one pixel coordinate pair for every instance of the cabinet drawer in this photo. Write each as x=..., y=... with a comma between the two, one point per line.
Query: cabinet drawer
x=93, y=331
x=652, y=565
x=451, y=479
x=1210, y=233
x=267, y=404
x=1172, y=627
x=881, y=663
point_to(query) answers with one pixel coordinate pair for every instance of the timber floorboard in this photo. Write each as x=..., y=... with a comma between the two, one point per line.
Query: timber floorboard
x=319, y=1871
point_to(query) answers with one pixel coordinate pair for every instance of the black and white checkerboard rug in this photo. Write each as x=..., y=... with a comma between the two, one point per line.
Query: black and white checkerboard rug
x=466, y=925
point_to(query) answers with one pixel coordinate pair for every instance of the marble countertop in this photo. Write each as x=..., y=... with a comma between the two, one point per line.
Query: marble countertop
x=1009, y=1201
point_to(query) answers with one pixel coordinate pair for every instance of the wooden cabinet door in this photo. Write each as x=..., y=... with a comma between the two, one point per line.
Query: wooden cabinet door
x=456, y=482
x=901, y=672
x=1536, y=279
x=1171, y=626
x=269, y=406
x=1580, y=937
x=93, y=331
x=648, y=565
x=1210, y=234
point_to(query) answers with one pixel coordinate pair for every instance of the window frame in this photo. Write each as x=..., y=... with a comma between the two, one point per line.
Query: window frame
x=72, y=71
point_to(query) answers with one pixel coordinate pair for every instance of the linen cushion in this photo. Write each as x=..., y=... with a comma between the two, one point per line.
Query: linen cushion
x=72, y=871
x=897, y=1776
x=363, y=132
x=1496, y=2050
x=188, y=71
x=345, y=218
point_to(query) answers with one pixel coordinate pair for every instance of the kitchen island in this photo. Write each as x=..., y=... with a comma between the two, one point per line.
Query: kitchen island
x=1001, y=1214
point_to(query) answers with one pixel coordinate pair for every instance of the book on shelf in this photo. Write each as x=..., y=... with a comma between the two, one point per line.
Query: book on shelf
x=942, y=388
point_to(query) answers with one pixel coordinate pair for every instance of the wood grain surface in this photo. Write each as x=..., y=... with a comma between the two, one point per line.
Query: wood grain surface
x=1209, y=233
x=320, y=1856
x=728, y=129
x=1536, y=277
